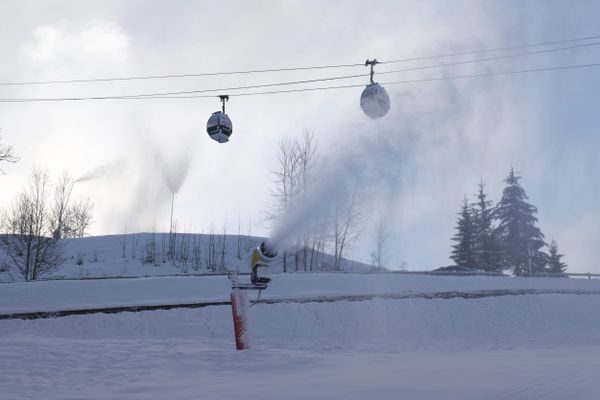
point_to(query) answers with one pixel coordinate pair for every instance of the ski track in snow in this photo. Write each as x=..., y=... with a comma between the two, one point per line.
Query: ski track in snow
x=319, y=299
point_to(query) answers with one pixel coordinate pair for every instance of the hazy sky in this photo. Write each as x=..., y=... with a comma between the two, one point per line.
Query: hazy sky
x=433, y=147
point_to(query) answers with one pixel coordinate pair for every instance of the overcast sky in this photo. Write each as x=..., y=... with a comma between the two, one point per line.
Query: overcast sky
x=431, y=150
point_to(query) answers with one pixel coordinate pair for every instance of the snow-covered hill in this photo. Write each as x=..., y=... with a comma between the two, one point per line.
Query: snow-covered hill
x=148, y=254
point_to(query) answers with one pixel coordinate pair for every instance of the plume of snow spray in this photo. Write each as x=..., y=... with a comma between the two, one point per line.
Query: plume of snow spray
x=371, y=171
x=102, y=171
x=174, y=172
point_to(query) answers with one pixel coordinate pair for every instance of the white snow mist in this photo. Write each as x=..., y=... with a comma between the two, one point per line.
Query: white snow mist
x=367, y=170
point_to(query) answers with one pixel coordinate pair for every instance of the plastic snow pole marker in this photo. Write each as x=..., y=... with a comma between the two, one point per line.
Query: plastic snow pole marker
x=239, y=309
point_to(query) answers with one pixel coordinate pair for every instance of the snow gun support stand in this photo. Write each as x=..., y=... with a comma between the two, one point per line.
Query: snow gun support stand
x=259, y=280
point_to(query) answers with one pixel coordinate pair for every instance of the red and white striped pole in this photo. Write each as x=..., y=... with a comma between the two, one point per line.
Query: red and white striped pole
x=239, y=309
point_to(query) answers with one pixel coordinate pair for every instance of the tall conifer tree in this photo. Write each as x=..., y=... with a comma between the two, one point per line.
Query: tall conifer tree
x=555, y=265
x=487, y=246
x=463, y=253
x=517, y=229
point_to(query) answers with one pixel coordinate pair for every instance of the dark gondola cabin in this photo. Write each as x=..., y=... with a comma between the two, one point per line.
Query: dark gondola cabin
x=219, y=125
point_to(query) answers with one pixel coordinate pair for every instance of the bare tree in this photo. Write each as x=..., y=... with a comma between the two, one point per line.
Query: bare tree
x=286, y=180
x=150, y=252
x=317, y=246
x=81, y=217
x=60, y=211
x=240, y=240
x=211, y=250
x=222, y=248
x=123, y=242
x=182, y=251
x=306, y=151
x=382, y=237
x=163, y=243
x=69, y=220
x=135, y=241
x=28, y=240
x=7, y=154
x=197, y=253
x=296, y=159
x=346, y=221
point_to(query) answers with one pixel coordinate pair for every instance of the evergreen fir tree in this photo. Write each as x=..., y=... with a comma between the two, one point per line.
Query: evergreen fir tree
x=487, y=246
x=463, y=253
x=517, y=229
x=555, y=266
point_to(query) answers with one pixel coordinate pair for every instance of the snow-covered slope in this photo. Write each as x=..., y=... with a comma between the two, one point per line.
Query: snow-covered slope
x=147, y=254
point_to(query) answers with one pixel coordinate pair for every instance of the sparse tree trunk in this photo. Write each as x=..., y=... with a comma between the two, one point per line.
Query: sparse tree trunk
x=382, y=236
x=60, y=210
x=240, y=242
x=346, y=221
x=123, y=242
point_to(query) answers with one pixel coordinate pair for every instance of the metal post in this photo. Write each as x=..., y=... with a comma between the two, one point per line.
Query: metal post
x=224, y=98
x=372, y=63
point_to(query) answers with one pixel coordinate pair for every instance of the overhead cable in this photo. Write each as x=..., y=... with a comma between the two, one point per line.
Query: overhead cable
x=397, y=82
x=288, y=69
x=316, y=80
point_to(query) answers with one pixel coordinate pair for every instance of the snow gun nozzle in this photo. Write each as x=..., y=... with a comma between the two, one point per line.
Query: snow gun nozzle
x=268, y=250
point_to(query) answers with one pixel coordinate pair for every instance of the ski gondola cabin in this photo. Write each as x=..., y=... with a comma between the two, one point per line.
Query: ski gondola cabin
x=219, y=127
x=375, y=101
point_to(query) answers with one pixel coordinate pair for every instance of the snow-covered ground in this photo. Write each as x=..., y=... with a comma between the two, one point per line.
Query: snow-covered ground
x=543, y=346
x=20, y=297
x=528, y=346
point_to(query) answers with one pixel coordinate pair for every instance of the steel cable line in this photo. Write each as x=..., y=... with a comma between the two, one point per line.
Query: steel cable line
x=467, y=53
x=263, y=85
x=225, y=89
x=298, y=82
x=175, y=76
x=397, y=82
x=494, y=58
x=268, y=70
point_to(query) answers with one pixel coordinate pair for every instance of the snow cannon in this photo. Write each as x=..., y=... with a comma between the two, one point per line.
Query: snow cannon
x=262, y=256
